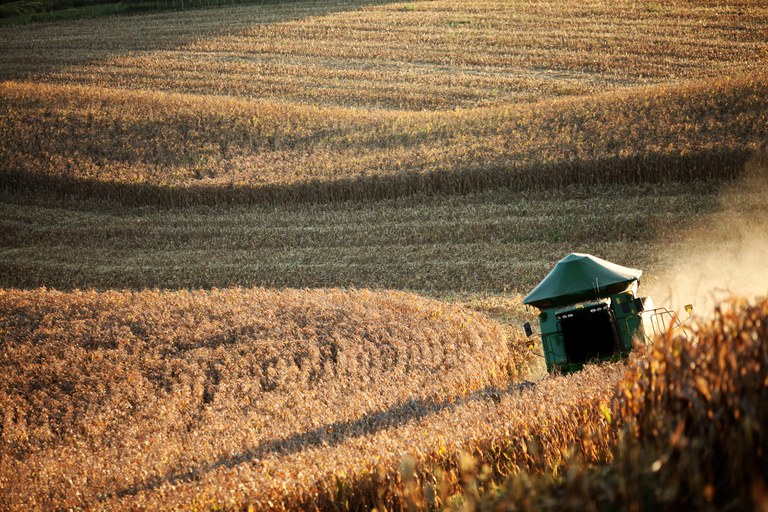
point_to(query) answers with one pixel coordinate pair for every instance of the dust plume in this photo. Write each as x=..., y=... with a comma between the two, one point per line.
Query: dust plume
x=725, y=253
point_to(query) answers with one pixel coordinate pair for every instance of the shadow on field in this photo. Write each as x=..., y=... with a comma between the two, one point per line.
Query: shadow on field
x=29, y=51
x=652, y=168
x=330, y=434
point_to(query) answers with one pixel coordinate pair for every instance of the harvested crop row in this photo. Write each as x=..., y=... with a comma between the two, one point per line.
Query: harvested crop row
x=491, y=242
x=171, y=149
x=418, y=55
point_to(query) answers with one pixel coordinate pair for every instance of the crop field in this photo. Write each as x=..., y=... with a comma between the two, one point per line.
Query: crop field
x=488, y=243
x=302, y=399
x=238, y=375
x=437, y=54
x=270, y=257
x=300, y=100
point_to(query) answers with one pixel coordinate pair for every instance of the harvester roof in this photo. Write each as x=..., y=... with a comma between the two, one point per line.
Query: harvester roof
x=579, y=277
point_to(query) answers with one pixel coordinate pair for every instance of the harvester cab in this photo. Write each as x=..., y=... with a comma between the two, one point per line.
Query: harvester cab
x=589, y=311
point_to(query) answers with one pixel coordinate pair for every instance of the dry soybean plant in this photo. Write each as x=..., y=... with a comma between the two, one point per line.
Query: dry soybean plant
x=113, y=394
x=691, y=414
x=138, y=147
x=342, y=100
x=277, y=400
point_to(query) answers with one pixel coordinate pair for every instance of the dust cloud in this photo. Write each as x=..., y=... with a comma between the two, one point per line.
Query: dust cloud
x=725, y=254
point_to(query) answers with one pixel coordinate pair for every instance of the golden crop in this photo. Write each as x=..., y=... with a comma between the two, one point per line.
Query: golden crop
x=457, y=148
x=147, y=399
x=422, y=55
x=492, y=242
x=120, y=399
x=340, y=100
x=171, y=149
x=692, y=414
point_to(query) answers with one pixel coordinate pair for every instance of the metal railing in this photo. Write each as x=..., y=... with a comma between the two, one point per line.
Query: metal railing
x=658, y=323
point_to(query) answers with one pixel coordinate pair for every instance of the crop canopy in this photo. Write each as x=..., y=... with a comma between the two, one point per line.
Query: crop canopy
x=579, y=277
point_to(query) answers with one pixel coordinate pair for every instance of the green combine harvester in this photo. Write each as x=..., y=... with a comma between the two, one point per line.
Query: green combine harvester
x=589, y=311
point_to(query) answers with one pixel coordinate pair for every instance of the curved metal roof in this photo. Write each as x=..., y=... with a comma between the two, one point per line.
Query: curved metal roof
x=579, y=277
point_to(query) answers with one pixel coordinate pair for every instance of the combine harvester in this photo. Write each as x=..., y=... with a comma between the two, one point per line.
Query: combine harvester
x=589, y=311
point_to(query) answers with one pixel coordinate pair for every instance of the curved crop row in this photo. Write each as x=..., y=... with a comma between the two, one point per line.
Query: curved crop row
x=104, y=394
x=139, y=147
x=420, y=55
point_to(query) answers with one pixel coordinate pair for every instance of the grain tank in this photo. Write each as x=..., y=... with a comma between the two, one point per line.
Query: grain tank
x=589, y=310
